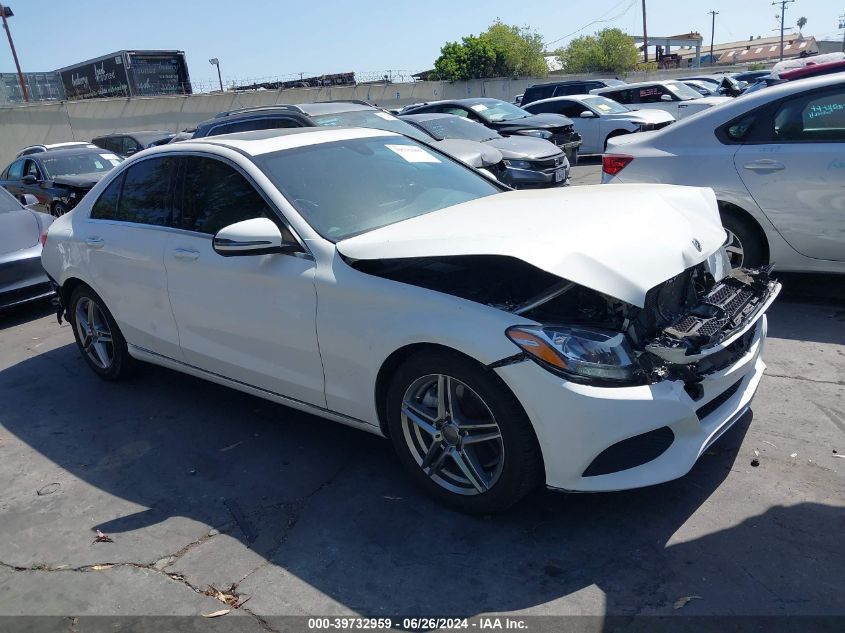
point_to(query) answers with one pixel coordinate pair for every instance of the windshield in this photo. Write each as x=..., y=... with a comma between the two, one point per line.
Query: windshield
x=604, y=105
x=682, y=91
x=495, y=110
x=373, y=182
x=371, y=119
x=458, y=127
x=74, y=164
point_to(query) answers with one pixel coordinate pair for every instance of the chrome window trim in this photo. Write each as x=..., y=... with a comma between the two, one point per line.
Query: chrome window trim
x=306, y=254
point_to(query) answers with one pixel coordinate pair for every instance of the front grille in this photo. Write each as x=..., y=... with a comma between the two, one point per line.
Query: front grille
x=718, y=401
x=632, y=452
x=551, y=163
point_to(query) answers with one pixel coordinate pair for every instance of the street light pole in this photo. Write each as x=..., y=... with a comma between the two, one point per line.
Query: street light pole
x=645, y=37
x=216, y=62
x=6, y=12
x=712, y=31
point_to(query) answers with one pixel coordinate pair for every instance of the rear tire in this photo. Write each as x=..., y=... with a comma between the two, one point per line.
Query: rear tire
x=478, y=452
x=745, y=246
x=97, y=335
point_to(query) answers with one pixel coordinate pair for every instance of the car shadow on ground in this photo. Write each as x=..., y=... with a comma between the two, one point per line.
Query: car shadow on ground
x=331, y=506
x=17, y=315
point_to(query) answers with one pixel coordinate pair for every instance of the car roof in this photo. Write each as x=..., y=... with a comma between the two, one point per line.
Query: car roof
x=143, y=134
x=639, y=84
x=334, y=107
x=70, y=151
x=257, y=142
x=563, y=98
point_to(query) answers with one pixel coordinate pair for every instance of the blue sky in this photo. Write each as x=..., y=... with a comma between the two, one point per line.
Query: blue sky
x=266, y=38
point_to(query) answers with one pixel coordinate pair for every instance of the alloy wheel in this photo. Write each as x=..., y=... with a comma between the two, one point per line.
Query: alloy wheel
x=452, y=434
x=95, y=336
x=736, y=253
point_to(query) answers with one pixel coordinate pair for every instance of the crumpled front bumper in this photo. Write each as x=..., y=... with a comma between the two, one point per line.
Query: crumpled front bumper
x=578, y=426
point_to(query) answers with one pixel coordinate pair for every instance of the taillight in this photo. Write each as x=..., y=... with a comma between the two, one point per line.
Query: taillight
x=612, y=164
x=43, y=238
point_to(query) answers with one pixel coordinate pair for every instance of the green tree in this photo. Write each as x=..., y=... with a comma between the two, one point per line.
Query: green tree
x=802, y=22
x=609, y=50
x=500, y=51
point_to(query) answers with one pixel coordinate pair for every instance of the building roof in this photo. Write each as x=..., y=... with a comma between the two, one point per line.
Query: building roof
x=759, y=50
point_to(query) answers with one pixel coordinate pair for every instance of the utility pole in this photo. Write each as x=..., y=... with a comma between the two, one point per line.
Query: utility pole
x=842, y=26
x=6, y=12
x=782, y=4
x=645, y=37
x=712, y=31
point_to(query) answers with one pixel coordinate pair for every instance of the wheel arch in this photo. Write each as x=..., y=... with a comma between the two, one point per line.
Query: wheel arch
x=749, y=220
x=399, y=356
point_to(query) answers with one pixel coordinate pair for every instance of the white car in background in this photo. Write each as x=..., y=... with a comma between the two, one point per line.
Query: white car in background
x=588, y=338
x=598, y=118
x=674, y=97
x=776, y=161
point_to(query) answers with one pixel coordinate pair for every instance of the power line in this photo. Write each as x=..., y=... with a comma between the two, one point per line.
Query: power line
x=598, y=20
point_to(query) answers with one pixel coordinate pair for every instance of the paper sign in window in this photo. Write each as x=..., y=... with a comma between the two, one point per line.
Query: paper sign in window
x=413, y=154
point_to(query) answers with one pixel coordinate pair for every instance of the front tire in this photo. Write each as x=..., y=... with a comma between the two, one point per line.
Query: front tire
x=98, y=337
x=744, y=246
x=460, y=433
x=58, y=209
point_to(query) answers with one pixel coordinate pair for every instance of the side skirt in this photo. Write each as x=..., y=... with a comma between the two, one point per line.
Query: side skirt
x=164, y=361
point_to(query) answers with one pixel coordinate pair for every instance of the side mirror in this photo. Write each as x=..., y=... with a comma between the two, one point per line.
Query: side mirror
x=129, y=152
x=29, y=179
x=666, y=98
x=258, y=236
x=587, y=114
x=29, y=201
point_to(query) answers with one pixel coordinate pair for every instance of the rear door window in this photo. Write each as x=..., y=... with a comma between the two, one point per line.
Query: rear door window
x=16, y=170
x=215, y=195
x=105, y=208
x=817, y=117
x=147, y=192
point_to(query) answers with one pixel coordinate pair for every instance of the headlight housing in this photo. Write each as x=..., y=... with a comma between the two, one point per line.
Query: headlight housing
x=538, y=133
x=518, y=164
x=580, y=354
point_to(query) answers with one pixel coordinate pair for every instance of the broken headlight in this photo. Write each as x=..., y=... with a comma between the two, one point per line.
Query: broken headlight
x=581, y=354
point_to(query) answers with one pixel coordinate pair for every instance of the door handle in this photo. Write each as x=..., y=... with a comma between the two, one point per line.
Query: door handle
x=185, y=254
x=95, y=242
x=764, y=164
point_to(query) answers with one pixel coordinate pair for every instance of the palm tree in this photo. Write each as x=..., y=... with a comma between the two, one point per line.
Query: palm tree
x=801, y=22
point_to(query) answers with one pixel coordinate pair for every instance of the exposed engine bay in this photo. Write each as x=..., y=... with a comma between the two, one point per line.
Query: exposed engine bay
x=691, y=325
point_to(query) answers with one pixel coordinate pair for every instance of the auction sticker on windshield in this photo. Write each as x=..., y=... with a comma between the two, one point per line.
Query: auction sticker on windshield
x=413, y=154
x=479, y=107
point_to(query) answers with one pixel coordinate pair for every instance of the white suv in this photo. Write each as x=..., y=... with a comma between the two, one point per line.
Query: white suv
x=674, y=97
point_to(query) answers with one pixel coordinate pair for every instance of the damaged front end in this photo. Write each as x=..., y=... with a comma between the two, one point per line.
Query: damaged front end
x=692, y=325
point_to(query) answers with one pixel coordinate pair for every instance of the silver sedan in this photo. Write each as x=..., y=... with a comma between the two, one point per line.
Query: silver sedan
x=22, y=278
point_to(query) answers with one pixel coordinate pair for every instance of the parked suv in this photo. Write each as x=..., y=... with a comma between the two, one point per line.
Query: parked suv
x=563, y=88
x=675, y=97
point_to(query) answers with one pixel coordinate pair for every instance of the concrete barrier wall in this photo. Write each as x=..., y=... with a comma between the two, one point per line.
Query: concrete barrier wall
x=83, y=120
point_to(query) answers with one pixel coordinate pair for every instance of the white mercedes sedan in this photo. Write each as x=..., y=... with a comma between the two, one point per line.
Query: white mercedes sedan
x=586, y=339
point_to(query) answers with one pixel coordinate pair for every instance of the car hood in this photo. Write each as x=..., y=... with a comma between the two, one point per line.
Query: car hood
x=533, y=122
x=472, y=153
x=82, y=181
x=620, y=240
x=524, y=147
